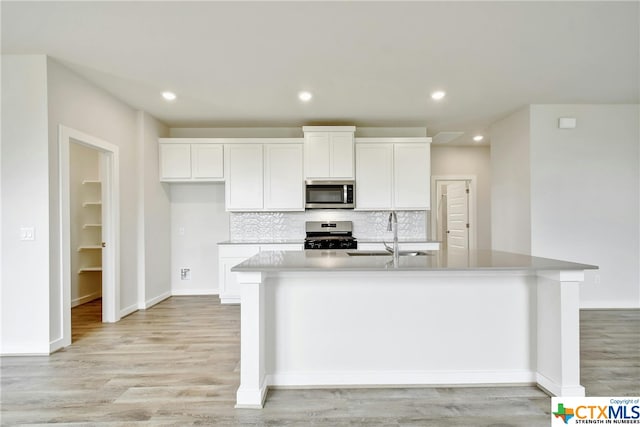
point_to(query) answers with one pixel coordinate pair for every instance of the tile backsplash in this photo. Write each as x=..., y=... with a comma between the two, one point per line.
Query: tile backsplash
x=268, y=226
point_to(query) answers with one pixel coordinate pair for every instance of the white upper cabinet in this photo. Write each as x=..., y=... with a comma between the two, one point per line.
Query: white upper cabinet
x=412, y=176
x=316, y=154
x=191, y=159
x=328, y=152
x=175, y=161
x=391, y=174
x=374, y=176
x=264, y=177
x=283, y=177
x=244, y=188
x=207, y=161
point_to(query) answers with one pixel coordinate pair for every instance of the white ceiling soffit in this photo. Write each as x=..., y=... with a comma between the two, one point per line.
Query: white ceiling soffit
x=236, y=64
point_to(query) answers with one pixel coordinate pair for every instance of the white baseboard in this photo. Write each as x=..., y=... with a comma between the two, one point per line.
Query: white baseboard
x=251, y=398
x=153, y=301
x=559, y=390
x=398, y=378
x=195, y=291
x=86, y=298
x=24, y=349
x=128, y=310
x=56, y=345
x=609, y=305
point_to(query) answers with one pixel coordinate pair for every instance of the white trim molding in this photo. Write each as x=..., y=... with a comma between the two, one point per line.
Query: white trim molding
x=473, y=208
x=109, y=167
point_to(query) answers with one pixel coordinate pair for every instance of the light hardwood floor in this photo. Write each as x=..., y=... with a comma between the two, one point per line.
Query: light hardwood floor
x=177, y=364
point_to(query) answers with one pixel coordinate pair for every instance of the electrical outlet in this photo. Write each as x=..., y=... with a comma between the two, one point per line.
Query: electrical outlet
x=27, y=233
x=180, y=231
x=596, y=279
x=185, y=274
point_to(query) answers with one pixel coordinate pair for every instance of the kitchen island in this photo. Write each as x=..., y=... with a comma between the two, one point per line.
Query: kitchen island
x=334, y=319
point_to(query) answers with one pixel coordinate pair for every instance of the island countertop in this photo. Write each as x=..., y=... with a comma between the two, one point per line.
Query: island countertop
x=327, y=319
x=443, y=260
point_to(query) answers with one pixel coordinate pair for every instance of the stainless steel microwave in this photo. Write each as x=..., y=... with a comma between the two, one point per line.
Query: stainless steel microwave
x=322, y=194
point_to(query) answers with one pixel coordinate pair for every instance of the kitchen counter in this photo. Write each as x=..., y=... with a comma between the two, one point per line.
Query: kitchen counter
x=326, y=319
x=301, y=241
x=263, y=242
x=441, y=260
x=390, y=240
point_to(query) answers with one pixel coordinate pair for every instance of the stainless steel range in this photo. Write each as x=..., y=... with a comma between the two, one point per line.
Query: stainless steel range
x=329, y=235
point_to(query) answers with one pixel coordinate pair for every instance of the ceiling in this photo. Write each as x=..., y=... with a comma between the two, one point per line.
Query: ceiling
x=241, y=64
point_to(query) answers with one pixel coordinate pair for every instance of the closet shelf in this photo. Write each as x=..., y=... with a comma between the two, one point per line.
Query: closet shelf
x=85, y=204
x=91, y=181
x=89, y=247
x=91, y=225
x=89, y=269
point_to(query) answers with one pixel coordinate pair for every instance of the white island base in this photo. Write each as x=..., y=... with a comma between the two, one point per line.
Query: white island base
x=313, y=329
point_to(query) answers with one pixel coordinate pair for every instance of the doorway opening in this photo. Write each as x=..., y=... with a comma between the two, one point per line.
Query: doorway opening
x=85, y=210
x=93, y=248
x=453, y=219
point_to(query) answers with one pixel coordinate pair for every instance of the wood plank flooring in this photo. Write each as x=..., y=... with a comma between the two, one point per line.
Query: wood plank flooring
x=177, y=364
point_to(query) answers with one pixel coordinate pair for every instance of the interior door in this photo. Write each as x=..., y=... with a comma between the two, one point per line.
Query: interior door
x=457, y=216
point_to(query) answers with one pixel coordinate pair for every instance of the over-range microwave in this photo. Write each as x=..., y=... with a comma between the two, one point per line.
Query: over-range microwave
x=323, y=194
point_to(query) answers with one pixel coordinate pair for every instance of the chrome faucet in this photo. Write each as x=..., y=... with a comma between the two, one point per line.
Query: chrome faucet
x=393, y=226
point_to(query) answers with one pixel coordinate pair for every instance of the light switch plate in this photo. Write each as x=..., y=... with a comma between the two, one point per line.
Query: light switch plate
x=27, y=233
x=567, y=122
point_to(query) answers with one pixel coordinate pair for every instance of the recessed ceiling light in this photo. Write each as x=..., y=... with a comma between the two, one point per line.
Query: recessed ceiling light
x=305, y=96
x=478, y=138
x=169, y=96
x=438, y=95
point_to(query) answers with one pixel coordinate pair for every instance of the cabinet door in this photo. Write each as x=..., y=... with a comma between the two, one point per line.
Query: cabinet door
x=412, y=176
x=374, y=176
x=207, y=161
x=341, y=155
x=316, y=155
x=244, y=185
x=283, y=179
x=175, y=161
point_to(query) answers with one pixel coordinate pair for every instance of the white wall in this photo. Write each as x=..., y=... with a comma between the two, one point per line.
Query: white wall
x=154, y=217
x=576, y=193
x=198, y=222
x=24, y=302
x=84, y=165
x=510, y=184
x=476, y=161
x=38, y=95
x=584, y=196
x=76, y=103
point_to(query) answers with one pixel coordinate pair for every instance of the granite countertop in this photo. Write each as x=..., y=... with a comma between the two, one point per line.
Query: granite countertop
x=301, y=241
x=400, y=241
x=451, y=260
x=262, y=242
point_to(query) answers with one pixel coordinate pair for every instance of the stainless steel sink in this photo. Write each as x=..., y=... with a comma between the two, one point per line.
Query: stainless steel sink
x=385, y=253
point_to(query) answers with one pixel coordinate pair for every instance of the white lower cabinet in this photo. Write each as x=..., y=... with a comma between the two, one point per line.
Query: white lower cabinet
x=230, y=255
